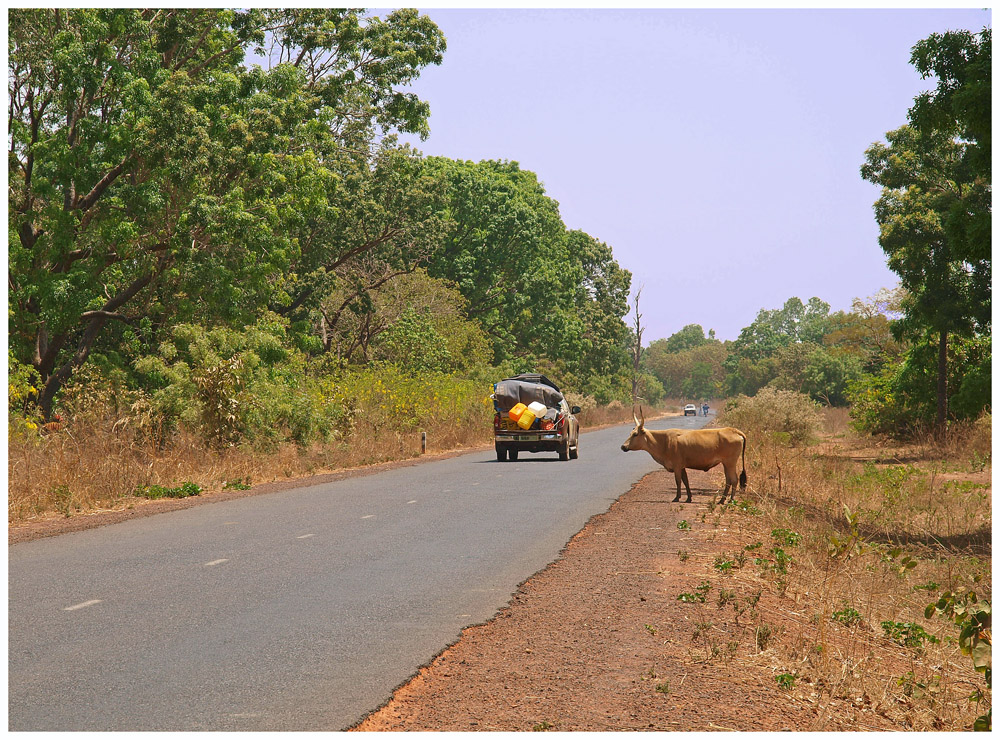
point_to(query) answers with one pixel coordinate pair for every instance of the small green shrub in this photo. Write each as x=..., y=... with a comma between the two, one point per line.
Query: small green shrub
x=786, y=537
x=765, y=634
x=63, y=497
x=724, y=563
x=974, y=618
x=683, y=525
x=907, y=634
x=702, y=592
x=781, y=560
x=785, y=681
x=182, y=491
x=848, y=615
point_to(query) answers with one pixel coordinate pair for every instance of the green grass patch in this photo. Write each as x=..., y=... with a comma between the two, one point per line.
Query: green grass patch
x=182, y=491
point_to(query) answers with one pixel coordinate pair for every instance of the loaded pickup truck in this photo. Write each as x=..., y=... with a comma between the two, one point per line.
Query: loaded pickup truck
x=554, y=429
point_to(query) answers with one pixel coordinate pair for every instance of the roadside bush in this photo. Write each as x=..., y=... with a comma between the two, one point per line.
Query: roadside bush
x=785, y=415
x=239, y=387
x=22, y=386
x=391, y=398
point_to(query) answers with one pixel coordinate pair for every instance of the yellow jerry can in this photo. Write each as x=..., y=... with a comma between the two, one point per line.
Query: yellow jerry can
x=515, y=413
x=526, y=419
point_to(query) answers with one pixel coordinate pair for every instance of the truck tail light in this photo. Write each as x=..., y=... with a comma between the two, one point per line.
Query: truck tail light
x=496, y=422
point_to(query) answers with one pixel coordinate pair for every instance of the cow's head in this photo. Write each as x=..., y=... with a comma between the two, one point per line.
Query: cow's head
x=637, y=439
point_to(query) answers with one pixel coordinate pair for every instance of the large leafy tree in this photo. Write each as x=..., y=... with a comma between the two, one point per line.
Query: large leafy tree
x=935, y=211
x=547, y=297
x=153, y=177
x=773, y=329
x=696, y=372
x=692, y=335
x=503, y=252
x=961, y=104
x=600, y=300
x=922, y=179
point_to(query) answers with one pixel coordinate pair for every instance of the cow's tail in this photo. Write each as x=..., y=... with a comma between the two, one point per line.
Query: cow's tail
x=743, y=475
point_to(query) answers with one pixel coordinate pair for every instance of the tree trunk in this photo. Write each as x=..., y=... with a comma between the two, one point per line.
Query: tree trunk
x=940, y=427
x=636, y=350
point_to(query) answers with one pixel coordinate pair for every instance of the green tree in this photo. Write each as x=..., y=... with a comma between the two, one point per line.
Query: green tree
x=922, y=179
x=547, y=297
x=675, y=370
x=749, y=365
x=700, y=383
x=962, y=104
x=355, y=328
x=866, y=331
x=692, y=335
x=503, y=253
x=153, y=176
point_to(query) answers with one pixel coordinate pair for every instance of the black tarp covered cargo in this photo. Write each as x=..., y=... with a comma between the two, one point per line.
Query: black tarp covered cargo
x=526, y=388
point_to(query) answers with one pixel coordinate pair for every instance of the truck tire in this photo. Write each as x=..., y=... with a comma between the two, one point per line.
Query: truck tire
x=574, y=452
x=564, y=451
x=512, y=454
x=501, y=453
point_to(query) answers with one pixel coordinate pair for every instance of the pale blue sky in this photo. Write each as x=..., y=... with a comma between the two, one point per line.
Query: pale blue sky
x=716, y=151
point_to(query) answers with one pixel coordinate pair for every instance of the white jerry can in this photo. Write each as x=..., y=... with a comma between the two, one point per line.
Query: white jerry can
x=538, y=409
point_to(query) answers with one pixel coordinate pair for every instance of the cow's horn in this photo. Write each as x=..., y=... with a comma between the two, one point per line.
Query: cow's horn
x=642, y=415
x=634, y=417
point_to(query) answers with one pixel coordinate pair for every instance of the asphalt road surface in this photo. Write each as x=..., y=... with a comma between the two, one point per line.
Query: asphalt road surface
x=297, y=610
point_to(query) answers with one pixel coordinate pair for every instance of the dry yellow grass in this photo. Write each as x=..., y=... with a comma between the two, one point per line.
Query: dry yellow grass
x=98, y=464
x=880, y=531
x=94, y=466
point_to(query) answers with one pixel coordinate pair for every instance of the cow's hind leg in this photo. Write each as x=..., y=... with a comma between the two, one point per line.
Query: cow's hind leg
x=724, y=492
x=730, y=484
x=684, y=477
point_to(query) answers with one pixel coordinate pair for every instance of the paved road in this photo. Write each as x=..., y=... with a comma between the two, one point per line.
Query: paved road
x=297, y=610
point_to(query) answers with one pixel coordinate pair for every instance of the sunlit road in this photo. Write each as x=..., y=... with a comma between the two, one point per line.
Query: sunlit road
x=297, y=610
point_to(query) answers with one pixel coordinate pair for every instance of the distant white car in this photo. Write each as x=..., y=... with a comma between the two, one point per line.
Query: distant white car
x=690, y=410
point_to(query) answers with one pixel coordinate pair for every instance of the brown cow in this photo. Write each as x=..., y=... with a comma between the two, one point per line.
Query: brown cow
x=698, y=449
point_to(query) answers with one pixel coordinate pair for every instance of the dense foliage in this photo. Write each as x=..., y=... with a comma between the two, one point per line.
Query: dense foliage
x=207, y=242
x=935, y=218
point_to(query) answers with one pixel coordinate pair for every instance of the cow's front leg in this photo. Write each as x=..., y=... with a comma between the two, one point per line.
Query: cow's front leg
x=684, y=477
x=678, y=476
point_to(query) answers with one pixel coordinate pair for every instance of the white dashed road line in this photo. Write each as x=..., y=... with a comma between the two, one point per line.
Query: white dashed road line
x=217, y=562
x=81, y=606
x=304, y=536
x=412, y=502
x=368, y=516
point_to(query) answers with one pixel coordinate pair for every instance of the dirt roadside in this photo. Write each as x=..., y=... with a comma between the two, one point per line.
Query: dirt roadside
x=600, y=641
